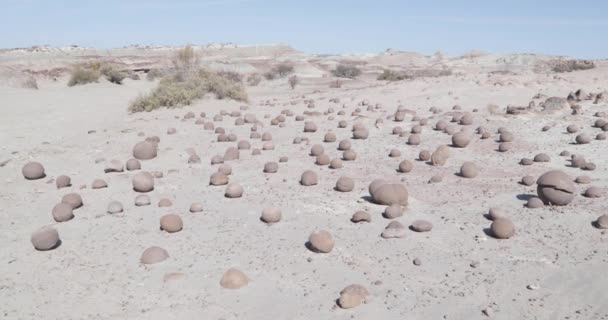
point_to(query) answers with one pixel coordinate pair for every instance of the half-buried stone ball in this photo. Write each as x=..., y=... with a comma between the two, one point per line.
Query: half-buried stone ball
x=114, y=207
x=133, y=164
x=143, y=182
x=594, y=192
x=232, y=153
x=316, y=150
x=345, y=184
x=344, y=145
x=394, y=230
x=406, y=166
x=349, y=155
x=393, y=211
x=322, y=160
x=602, y=222
x=352, y=296
x=62, y=212
x=542, y=157
x=145, y=150
x=583, y=138
x=33, y=171
x=424, y=155
x=196, y=207
x=321, y=241
x=534, y=203
x=461, y=139
x=271, y=215
x=528, y=180
x=336, y=163
x=154, y=255
x=63, y=181
x=390, y=193
x=309, y=178
x=271, y=167
x=73, y=199
x=421, y=226
x=502, y=228
x=556, y=187
x=361, y=216
x=234, y=190
x=361, y=133
x=468, y=170
x=233, y=279
x=171, y=223
x=45, y=238
x=142, y=200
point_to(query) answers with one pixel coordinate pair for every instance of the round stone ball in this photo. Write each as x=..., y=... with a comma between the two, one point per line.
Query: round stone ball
x=344, y=145
x=145, y=150
x=534, y=203
x=63, y=181
x=196, y=207
x=143, y=182
x=345, y=184
x=133, y=164
x=234, y=279
x=556, y=187
x=421, y=226
x=330, y=137
x=406, y=166
x=142, y=200
x=336, y=163
x=33, y=171
x=542, y=157
x=528, y=180
x=309, y=178
x=424, y=155
x=45, y=238
x=234, y=190
x=349, y=155
x=583, y=138
x=602, y=222
x=502, y=228
x=271, y=167
x=393, y=211
x=271, y=215
x=468, y=170
x=154, y=255
x=114, y=207
x=62, y=212
x=461, y=139
x=321, y=241
x=73, y=199
x=171, y=223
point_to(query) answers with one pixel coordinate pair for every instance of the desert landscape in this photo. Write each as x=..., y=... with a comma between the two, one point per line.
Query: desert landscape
x=260, y=182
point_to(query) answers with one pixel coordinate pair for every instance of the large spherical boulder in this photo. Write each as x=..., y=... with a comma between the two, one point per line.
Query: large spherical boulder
x=143, y=182
x=461, y=139
x=145, y=150
x=345, y=184
x=316, y=150
x=440, y=156
x=33, y=171
x=309, y=178
x=62, y=212
x=344, y=145
x=154, y=255
x=233, y=279
x=321, y=241
x=234, y=190
x=171, y=223
x=502, y=228
x=406, y=166
x=271, y=215
x=389, y=193
x=556, y=187
x=468, y=170
x=45, y=238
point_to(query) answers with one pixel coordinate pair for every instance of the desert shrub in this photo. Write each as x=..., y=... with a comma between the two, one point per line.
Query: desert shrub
x=231, y=75
x=346, y=71
x=181, y=88
x=133, y=75
x=336, y=84
x=30, y=83
x=155, y=73
x=293, y=81
x=270, y=75
x=186, y=59
x=431, y=73
x=571, y=65
x=279, y=71
x=83, y=75
x=392, y=75
x=254, y=79
x=112, y=74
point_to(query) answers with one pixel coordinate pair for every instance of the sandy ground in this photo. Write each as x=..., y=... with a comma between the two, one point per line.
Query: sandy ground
x=553, y=268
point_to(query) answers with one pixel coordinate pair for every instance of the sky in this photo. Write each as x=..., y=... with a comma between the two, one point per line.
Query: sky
x=573, y=28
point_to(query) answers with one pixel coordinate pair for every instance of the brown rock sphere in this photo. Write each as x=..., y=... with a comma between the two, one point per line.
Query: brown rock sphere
x=45, y=238
x=73, y=199
x=234, y=190
x=361, y=216
x=345, y=184
x=393, y=211
x=583, y=138
x=271, y=215
x=336, y=163
x=321, y=241
x=506, y=136
x=505, y=146
x=133, y=164
x=154, y=255
x=461, y=139
x=502, y=228
x=594, y=192
x=424, y=155
x=145, y=150
x=468, y=170
x=440, y=156
x=421, y=226
x=99, y=184
x=542, y=157
x=534, y=203
x=528, y=180
x=33, y=171
x=143, y=182
x=330, y=137
x=361, y=133
x=309, y=178
x=62, y=212
x=413, y=140
x=234, y=279
x=389, y=193
x=271, y=167
x=352, y=296
x=171, y=223
x=63, y=181
x=349, y=155
x=344, y=145
x=406, y=166
x=556, y=187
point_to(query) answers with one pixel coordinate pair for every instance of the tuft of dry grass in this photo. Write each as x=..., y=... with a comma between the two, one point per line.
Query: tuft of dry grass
x=392, y=75
x=82, y=75
x=91, y=72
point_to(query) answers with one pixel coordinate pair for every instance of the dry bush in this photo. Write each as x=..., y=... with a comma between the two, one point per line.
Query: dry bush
x=571, y=65
x=83, y=75
x=181, y=89
x=112, y=74
x=293, y=81
x=232, y=75
x=392, y=75
x=186, y=59
x=431, y=73
x=254, y=79
x=346, y=71
x=279, y=71
x=336, y=84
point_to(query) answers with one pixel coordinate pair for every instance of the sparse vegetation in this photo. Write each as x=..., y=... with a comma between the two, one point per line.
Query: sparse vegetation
x=254, y=79
x=82, y=75
x=186, y=59
x=112, y=74
x=293, y=81
x=571, y=65
x=392, y=75
x=232, y=75
x=336, y=84
x=30, y=83
x=279, y=71
x=155, y=73
x=346, y=71
x=92, y=71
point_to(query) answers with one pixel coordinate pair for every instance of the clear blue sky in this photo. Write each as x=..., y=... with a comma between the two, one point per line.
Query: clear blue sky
x=576, y=28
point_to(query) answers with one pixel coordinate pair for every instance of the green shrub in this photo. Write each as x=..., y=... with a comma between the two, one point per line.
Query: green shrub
x=181, y=88
x=346, y=71
x=82, y=75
